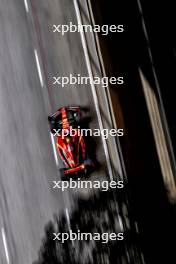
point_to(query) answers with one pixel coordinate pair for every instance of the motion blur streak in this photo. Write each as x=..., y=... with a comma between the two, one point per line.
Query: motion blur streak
x=5, y=245
x=38, y=67
x=160, y=141
x=26, y=5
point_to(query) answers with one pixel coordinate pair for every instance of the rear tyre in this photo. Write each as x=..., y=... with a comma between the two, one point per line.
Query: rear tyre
x=62, y=174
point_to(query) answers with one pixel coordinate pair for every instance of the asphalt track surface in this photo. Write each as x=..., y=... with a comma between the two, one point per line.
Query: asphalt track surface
x=27, y=163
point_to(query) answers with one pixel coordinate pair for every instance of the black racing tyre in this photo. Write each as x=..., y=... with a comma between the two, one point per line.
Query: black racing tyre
x=54, y=124
x=89, y=166
x=62, y=174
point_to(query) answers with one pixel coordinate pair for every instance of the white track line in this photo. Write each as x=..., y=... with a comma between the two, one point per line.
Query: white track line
x=89, y=68
x=68, y=221
x=38, y=67
x=54, y=149
x=118, y=150
x=5, y=245
x=26, y=6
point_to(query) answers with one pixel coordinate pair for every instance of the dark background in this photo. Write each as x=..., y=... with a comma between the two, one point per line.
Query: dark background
x=125, y=53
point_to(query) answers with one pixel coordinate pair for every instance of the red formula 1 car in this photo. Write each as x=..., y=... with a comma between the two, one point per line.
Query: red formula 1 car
x=64, y=124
